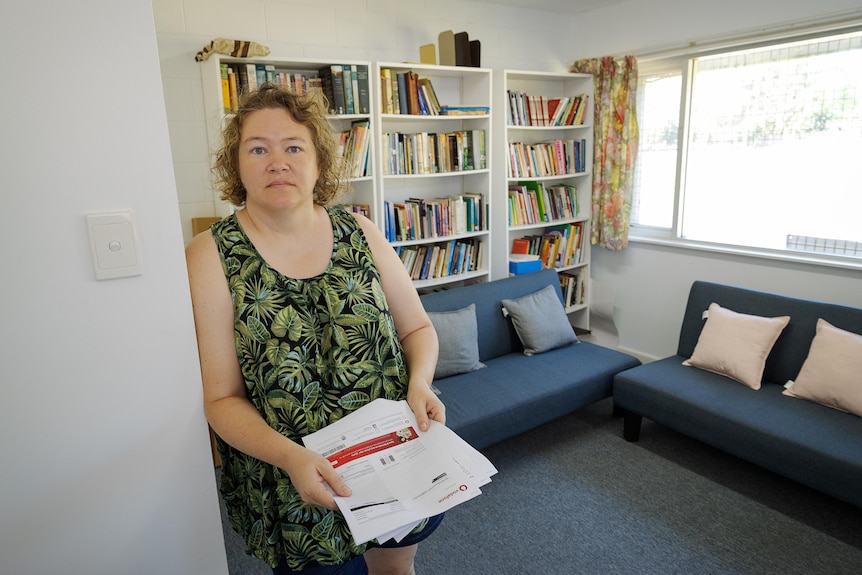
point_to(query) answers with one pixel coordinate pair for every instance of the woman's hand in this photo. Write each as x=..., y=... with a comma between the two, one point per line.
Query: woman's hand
x=425, y=404
x=315, y=479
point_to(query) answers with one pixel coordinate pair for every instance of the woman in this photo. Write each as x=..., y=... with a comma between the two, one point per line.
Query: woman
x=303, y=313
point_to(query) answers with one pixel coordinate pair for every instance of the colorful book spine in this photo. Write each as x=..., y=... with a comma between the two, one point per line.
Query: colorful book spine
x=347, y=87
x=233, y=89
x=225, y=88
x=364, y=97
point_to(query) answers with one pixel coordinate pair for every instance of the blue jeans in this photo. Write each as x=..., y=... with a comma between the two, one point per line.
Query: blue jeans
x=357, y=566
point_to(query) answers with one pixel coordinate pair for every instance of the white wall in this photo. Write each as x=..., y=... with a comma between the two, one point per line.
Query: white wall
x=106, y=466
x=652, y=282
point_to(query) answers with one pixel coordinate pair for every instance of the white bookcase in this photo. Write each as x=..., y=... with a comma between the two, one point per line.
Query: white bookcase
x=407, y=173
x=527, y=142
x=415, y=171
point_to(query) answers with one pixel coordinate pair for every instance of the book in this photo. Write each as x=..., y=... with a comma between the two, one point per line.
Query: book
x=553, y=105
x=389, y=220
x=347, y=86
x=362, y=87
x=333, y=87
x=572, y=112
x=426, y=90
x=358, y=157
x=480, y=152
x=569, y=282
x=396, y=96
x=478, y=217
x=403, y=104
x=250, y=77
x=562, y=111
x=386, y=106
x=234, y=90
x=582, y=109
x=520, y=246
x=464, y=110
x=408, y=257
x=413, y=93
x=434, y=268
x=354, y=83
x=424, y=103
x=225, y=88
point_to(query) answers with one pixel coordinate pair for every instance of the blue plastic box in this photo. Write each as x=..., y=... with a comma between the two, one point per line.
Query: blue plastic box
x=519, y=267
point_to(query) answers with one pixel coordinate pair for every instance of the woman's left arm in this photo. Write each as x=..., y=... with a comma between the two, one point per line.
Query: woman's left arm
x=417, y=335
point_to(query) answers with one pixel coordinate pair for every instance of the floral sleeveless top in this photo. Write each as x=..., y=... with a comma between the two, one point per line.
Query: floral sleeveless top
x=311, y=351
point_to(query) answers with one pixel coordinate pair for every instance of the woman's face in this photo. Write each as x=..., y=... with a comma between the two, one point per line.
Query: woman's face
x=277, y=160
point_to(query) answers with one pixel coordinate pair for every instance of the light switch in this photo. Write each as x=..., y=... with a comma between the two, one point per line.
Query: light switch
x=113, y=244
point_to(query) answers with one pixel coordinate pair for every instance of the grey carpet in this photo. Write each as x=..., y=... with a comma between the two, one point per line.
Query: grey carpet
x=574, y=497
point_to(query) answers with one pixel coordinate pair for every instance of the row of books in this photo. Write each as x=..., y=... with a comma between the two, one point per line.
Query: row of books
x=407, y=93
x=354, y=149
x=532, y=202
x=432, y=261
x=552, y=158
x=574, y=287
x=419, y=219
x=239, y=78
x=432, y=153
x=526, y=110
x=557, y=247
x=344, y=86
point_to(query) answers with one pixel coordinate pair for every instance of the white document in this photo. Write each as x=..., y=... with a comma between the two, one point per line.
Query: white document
x=397, y=474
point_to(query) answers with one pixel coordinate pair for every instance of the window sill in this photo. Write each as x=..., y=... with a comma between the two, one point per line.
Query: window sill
x=808, y=258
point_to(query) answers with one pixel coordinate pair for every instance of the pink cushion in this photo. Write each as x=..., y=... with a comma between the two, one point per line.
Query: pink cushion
x=736, y=345
x=832, y=372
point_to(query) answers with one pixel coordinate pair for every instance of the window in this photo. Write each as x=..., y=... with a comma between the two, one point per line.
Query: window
x=756, y=147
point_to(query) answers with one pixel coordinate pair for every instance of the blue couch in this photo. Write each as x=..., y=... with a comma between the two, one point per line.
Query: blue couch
x=815, y=445
x=516, y=392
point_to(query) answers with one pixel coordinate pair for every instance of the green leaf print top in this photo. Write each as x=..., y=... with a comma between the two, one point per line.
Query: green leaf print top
x=311, y=351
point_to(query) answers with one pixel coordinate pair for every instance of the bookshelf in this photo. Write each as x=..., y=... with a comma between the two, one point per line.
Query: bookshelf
x=439, y=171
x=353, y=123
x=434, y=172
x=544, y=200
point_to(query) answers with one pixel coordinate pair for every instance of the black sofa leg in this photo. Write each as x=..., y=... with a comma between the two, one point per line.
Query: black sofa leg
x=631, y=426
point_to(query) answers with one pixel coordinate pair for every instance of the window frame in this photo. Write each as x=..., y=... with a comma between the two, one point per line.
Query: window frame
x=683, y=62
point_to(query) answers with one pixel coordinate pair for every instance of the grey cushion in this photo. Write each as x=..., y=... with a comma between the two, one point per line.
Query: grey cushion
x=540, y=320
x=458, y=336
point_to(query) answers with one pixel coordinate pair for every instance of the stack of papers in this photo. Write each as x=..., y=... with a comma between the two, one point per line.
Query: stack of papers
x=398, y=475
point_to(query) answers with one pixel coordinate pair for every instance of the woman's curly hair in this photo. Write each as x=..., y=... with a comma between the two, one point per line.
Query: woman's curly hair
x=308, y=110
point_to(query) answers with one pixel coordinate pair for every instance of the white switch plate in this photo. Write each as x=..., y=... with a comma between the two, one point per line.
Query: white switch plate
x=113, y=244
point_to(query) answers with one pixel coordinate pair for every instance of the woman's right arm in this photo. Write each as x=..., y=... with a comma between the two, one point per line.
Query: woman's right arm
x=229, y=412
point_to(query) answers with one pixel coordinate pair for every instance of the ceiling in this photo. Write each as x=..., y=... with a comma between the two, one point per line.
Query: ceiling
x=561, y=6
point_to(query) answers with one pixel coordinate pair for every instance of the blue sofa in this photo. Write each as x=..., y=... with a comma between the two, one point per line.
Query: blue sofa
x=516, y=392
x=815, y=445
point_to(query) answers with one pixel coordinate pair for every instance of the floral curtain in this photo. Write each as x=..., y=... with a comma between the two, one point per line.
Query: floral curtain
x=616, y=143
